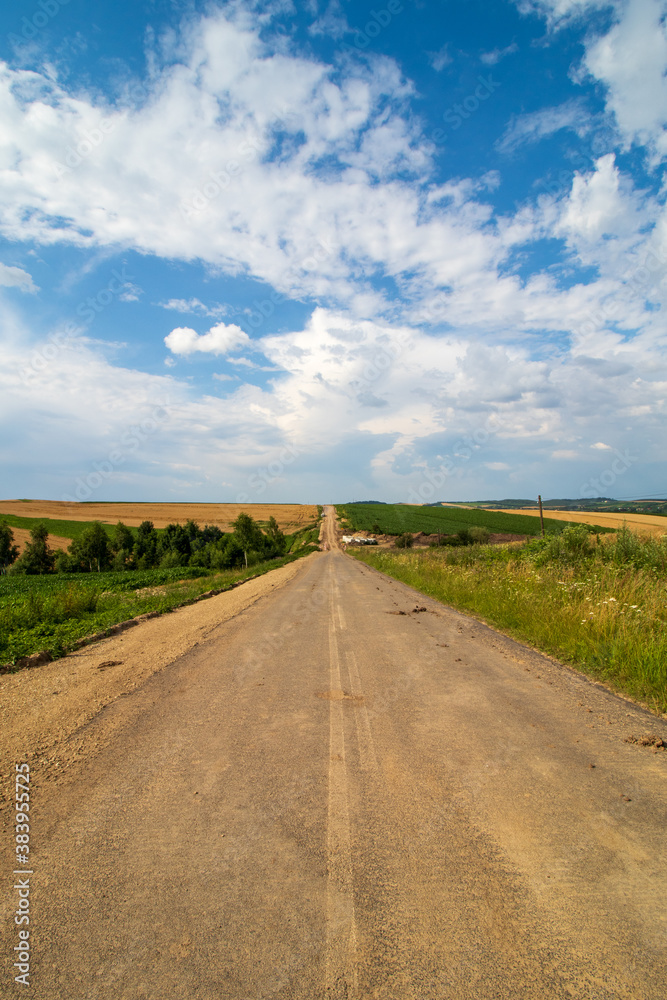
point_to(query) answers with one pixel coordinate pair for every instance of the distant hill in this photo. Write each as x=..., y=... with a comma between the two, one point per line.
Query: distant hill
x=597, y=504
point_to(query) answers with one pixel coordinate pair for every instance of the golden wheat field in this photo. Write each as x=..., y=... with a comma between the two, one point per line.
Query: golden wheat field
x=289, y=516
x=641, y=523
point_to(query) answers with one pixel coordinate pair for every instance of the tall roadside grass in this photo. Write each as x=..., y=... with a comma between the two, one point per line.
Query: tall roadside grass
x=599, y=607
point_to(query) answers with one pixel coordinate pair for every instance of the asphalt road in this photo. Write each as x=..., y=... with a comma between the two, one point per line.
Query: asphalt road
x=339, y=796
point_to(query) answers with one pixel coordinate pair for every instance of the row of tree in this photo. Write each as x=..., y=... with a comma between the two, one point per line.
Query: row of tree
x=177, y=545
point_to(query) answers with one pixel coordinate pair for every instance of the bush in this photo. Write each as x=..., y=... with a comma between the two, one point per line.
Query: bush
x=479, y=534
x=643, y=553
x=570, y=546
x=404, y=541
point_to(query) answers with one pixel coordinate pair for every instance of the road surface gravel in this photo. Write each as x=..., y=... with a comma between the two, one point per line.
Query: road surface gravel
x=348, y=790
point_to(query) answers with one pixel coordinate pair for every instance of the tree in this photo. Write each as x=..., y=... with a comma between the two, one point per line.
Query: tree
x=145, y=547
x=122, y=544
x=38, y=557
x=227, y=553
x=248, y=533
x=91, y=548
x=122, y=538
x=276, y=537
x=175, y=544
x=8, y=551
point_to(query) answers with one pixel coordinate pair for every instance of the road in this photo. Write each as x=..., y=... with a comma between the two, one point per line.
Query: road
x=337, y=795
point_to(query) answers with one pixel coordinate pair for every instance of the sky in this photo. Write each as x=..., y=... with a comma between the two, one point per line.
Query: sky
x=332, y=250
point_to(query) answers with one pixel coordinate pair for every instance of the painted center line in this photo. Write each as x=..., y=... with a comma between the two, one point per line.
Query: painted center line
x=341, y=956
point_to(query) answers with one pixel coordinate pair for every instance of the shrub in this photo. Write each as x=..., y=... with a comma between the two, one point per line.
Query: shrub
x=570, y=546
x=404, y=541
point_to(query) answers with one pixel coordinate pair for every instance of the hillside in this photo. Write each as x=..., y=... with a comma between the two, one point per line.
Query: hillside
x=394, y=519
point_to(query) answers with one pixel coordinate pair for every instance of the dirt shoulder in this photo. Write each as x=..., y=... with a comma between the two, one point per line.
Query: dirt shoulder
x=42, y=709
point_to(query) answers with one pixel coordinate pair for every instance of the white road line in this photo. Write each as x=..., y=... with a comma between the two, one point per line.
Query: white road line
x=341, y=965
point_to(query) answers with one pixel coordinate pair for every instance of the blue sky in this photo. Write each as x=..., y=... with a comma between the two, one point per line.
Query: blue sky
x=333, y=250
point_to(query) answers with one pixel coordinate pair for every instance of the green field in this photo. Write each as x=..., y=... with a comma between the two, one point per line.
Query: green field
x=394, y=519
x=62, y=529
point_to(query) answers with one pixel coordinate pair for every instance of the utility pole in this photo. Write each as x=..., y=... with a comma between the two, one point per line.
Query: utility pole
x=539, y=500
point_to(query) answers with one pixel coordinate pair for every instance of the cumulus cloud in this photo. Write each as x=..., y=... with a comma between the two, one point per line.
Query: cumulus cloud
x=16, y=277
x=220, y=339
x=631, y=61
x=443, y=400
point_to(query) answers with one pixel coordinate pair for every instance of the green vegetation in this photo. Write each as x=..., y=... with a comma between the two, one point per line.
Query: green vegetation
x=599, y=606
x=396, y=519
x=63, y=529
x=45, y=610
x=8, y=551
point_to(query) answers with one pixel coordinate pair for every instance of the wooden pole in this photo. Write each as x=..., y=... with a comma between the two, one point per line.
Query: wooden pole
x=539, y=500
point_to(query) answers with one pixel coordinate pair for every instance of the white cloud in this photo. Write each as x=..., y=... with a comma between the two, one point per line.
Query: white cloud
x=600, y=446
x=322, y=182
x=631, y=60
x=16, y=277
x=220, y=339
x=276, y=189
x=440, y=59
x=332, y=23
x=493, y=57
x=195, y=306
x=243, y=362
x=536, y=125
x=603, y=204
x=442, y=396
x=130, y=293
x=560, y=12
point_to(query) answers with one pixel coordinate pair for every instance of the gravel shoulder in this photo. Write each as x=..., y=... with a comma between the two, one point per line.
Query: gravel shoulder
x=42, y=710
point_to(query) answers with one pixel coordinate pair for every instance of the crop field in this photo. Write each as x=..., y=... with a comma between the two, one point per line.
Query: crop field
x=393, y=519
x=649, y=524
x=61, y=533
x=290, y=517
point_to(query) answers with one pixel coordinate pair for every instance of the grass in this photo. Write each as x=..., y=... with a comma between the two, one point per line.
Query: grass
x=53, y=612
x=62, y=529
x=394, y=519
x=603, y=610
